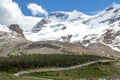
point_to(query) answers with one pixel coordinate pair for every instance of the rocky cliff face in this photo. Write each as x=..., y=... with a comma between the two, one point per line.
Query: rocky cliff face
x=16, y=28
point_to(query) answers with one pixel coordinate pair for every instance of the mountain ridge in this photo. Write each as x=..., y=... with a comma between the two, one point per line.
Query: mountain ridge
x=75, y=26
x=78, y=25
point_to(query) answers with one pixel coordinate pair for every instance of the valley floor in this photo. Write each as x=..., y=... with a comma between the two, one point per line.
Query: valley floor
x=92, y=70
x=56, y=67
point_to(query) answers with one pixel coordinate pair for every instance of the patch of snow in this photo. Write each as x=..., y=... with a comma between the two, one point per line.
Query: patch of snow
x=4, y=28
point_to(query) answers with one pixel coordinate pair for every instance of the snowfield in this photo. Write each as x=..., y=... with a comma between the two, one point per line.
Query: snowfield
x=103, y=27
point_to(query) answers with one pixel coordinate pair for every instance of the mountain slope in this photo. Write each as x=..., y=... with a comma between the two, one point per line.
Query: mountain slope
x=98, y=34
x=9, y=38
x=76, y=26
x=58, y=25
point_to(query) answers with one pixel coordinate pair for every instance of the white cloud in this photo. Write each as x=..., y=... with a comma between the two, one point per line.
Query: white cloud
x=36, y=9
x=115, y=4
x=10, y=13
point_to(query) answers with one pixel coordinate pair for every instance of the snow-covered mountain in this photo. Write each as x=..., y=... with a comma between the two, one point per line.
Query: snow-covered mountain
x=59, y=24
x=76, y=26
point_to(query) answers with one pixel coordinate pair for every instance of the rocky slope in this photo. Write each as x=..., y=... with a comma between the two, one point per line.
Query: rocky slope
x=8, y=38
x=16, y=28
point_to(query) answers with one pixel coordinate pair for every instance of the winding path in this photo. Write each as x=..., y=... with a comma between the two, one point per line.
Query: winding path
x=60, y=69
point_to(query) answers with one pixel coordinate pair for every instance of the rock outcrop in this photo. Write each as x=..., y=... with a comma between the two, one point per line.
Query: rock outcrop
x=16, y=28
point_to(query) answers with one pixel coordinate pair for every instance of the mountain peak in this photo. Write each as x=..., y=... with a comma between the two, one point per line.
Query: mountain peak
x=77, y=12
x=76, y=15
x=113, y=7
x=58, y=15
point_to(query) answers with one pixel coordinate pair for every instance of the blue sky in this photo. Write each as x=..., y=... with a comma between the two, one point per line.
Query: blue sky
x=86, y=6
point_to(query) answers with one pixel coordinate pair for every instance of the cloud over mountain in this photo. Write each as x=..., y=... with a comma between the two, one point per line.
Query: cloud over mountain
x=36, y=9
x=10, y=13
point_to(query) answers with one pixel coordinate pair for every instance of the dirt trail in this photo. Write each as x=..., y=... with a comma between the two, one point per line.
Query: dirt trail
x=60, y=69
